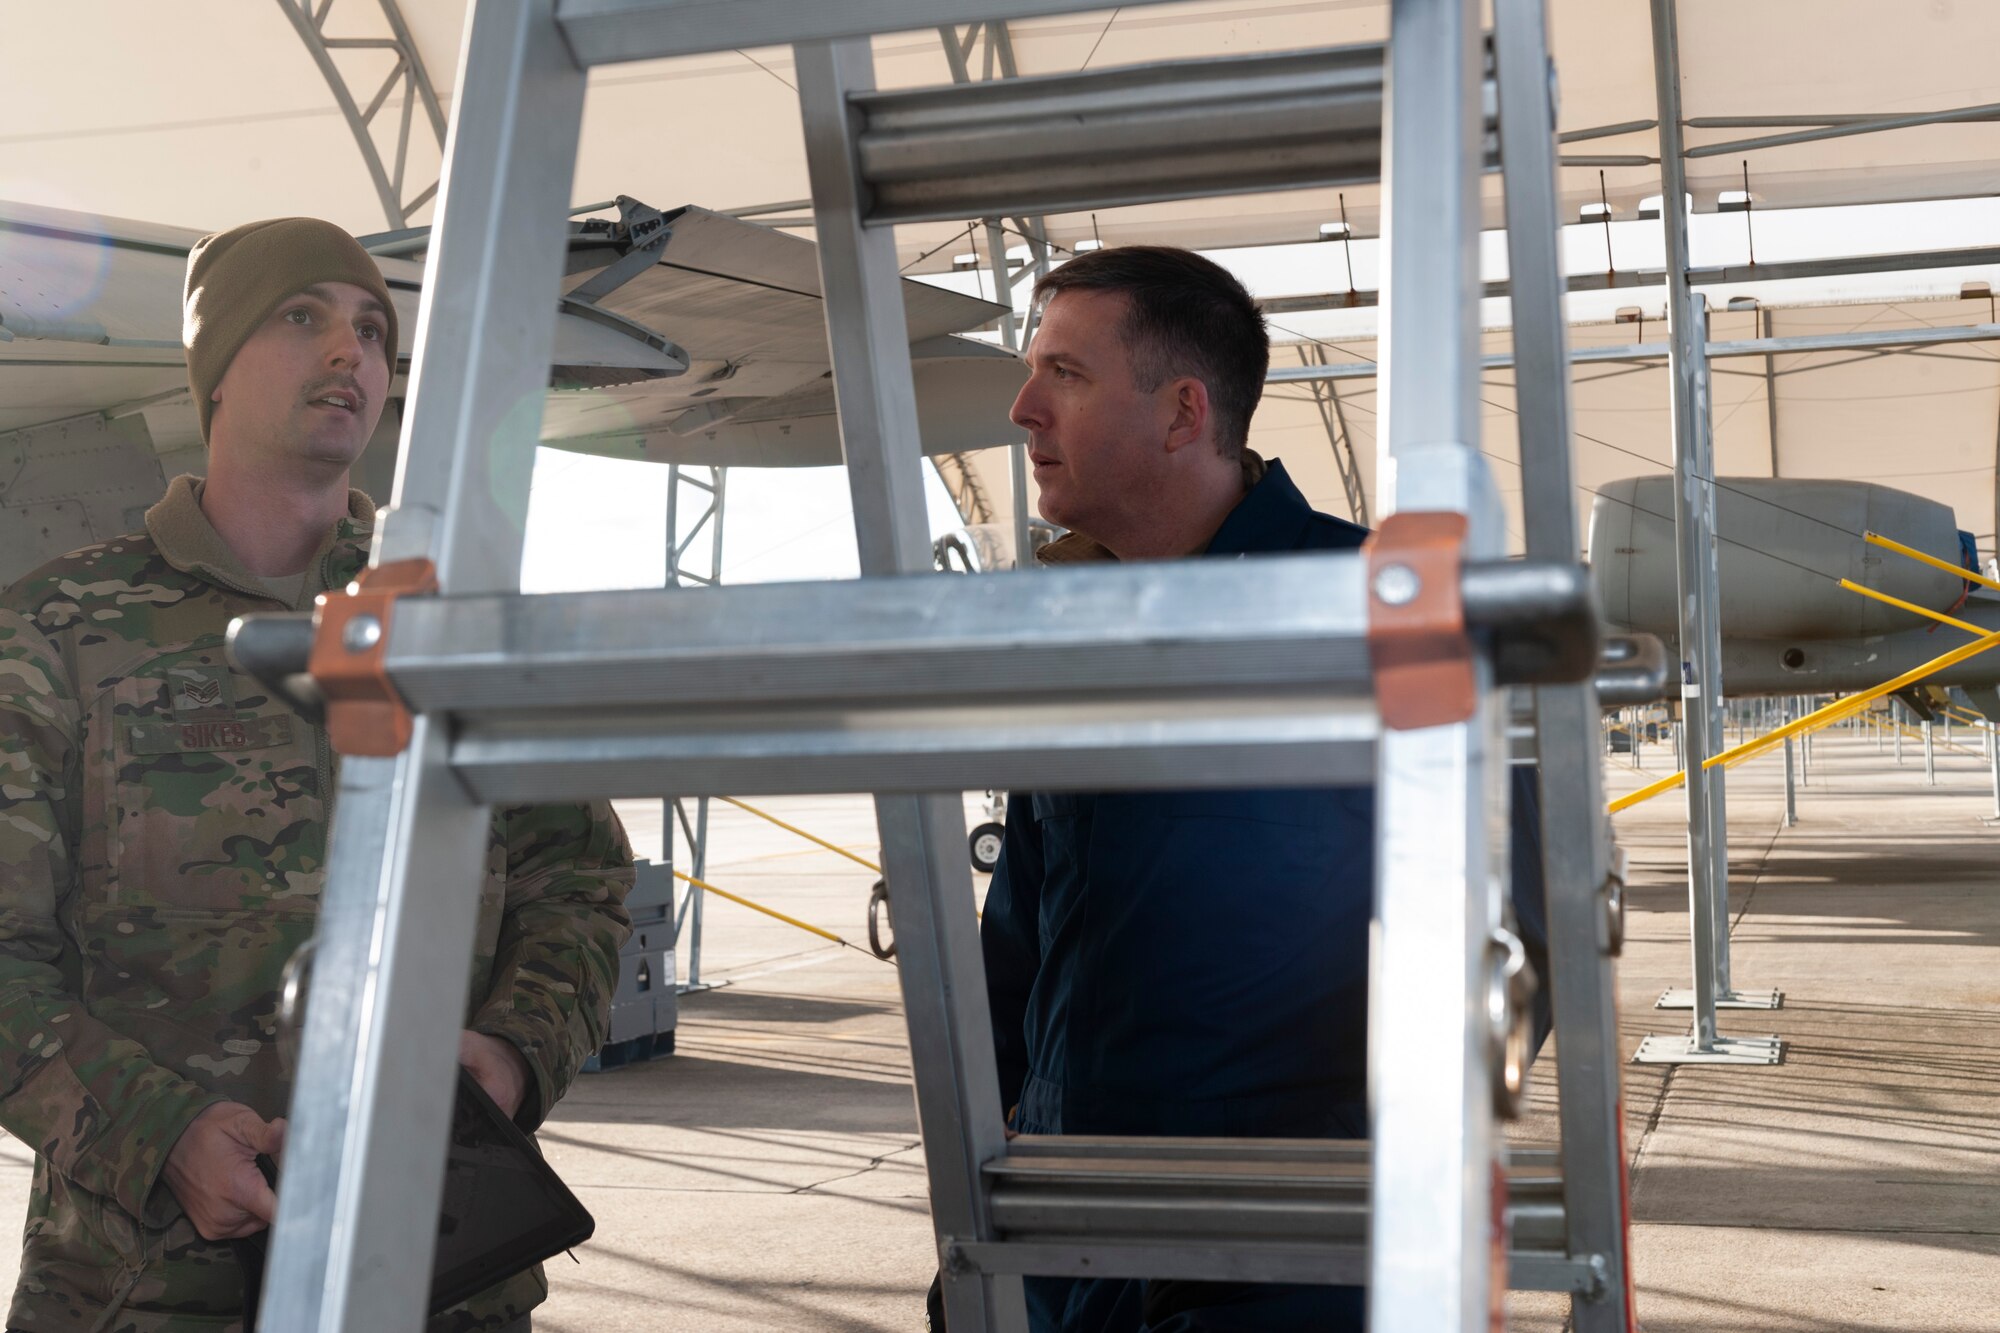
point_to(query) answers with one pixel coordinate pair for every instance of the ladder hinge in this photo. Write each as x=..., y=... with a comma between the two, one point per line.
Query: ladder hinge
x=1416, y=621
x=364, y=713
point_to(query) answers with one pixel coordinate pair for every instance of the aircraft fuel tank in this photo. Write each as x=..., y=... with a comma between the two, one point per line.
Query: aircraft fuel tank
x=1782, y=547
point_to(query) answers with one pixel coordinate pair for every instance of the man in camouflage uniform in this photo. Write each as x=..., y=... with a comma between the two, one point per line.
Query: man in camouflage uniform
x=163, y=829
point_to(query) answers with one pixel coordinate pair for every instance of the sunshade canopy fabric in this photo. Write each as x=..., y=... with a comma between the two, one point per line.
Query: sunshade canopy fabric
x=1924, y=420
x=210, y=112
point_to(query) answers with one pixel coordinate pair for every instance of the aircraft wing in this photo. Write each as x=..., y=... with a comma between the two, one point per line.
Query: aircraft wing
x=728, y=327
x=745, y=302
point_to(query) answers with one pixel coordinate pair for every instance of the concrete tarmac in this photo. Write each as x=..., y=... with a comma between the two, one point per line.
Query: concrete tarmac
x=769, y=1175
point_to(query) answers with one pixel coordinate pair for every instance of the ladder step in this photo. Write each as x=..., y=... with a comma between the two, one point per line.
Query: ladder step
x=1125, y=135
x=914, y=684
x=1248, y=673
x=1280, y=739
x=1290, y=1210
x=1055, y=635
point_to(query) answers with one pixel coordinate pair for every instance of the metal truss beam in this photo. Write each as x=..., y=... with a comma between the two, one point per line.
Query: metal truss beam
x=1327, y=398
x=1844, y=266
x=1887, y=339
x=1000, y=62
x=710, y=487
x=308, y=19
x=1826, y=127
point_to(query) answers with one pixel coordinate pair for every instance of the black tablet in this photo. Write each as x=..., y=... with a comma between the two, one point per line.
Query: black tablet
x=504, y=1208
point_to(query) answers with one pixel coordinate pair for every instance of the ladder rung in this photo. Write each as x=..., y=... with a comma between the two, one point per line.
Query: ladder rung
x=1293, y=1210
x=1049, y=637
x=1251, y=674
x=1280, y=739
x=1242, y=1261
x=1126, y=135
x=1246, y=673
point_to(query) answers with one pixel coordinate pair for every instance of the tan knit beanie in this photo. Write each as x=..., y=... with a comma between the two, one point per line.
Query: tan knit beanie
x=236, y=278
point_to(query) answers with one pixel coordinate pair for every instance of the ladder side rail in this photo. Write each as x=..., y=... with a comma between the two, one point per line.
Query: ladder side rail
x=1582, y=937
x=1439, y=882
x=941, y=970
x=372, y=1105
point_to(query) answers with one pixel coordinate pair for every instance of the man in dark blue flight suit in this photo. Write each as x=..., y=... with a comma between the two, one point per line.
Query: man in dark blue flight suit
x=1189, y=962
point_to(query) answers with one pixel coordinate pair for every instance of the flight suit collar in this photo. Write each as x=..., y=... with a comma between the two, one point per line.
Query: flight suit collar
x=1269, y=517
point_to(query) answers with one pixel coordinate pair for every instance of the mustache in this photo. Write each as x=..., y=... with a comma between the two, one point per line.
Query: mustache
x=343, y=384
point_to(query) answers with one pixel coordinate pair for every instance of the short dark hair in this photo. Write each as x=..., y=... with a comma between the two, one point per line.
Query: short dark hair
x=1186, y=316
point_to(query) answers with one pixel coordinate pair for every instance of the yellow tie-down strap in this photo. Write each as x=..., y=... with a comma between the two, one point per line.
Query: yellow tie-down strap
x=1841, y=709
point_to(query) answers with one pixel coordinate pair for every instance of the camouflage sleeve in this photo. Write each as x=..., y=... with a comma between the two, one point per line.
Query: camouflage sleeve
x=569, y=868
x=93, y=1103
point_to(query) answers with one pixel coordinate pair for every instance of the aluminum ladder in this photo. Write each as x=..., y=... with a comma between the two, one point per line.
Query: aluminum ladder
x=1387, y=666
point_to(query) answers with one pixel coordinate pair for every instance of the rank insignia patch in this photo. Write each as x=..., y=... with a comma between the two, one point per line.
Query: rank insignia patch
x=201, y=692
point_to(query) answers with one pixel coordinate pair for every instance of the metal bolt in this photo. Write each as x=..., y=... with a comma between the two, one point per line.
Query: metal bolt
x=361, y=634
x=1398, y=585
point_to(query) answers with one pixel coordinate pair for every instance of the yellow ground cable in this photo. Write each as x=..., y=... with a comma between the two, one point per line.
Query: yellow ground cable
x=1820, y=717
x=792, y=828
x=1943, y=619
x=1956, y=571
x=706, y=887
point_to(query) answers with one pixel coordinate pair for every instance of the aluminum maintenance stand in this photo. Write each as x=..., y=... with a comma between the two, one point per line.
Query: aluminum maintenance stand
x=448, y=692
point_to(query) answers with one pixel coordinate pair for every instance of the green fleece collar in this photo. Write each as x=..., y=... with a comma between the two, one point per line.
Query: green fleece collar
x=190, y=543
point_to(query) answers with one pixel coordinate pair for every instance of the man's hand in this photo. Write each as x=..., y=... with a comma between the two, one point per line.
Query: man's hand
x=212, y=1170
x=498, y=1066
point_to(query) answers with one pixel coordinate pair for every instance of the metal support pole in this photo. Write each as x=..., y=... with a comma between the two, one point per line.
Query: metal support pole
x=1791, y=787
x=370, y=1112
x=1700, y=636
x=923, y=839
x=1439, y=885
x=1897, y=714
x=1993, y=762
x=1010, y=336
x=687, y=924
x=1575, y=851
x=1000, y=44
x=1930, y=755
x=684, y=573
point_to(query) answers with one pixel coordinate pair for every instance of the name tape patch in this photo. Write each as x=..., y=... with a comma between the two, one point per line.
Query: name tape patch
x=243, y=733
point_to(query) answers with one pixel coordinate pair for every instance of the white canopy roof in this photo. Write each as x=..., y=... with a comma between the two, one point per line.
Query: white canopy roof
x=1921, y=419
x=208, y=112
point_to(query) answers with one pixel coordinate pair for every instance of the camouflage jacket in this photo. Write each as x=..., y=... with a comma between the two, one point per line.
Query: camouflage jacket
x=163, y=831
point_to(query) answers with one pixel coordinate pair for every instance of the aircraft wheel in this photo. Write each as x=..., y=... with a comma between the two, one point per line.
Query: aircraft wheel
x=986, y=842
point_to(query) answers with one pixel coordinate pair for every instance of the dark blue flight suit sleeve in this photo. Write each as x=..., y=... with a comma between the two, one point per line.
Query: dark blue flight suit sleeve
x=1010, y=939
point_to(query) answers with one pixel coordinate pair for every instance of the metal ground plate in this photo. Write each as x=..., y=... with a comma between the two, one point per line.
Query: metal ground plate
x=1682, y=997
x=1665, y=1050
